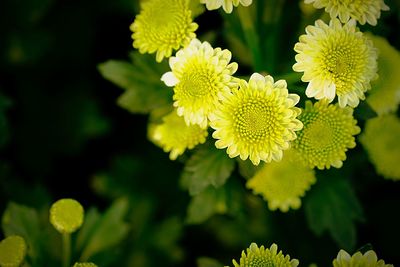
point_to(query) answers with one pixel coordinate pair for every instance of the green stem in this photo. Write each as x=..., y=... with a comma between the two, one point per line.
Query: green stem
x=251, y=36
x=66, y=241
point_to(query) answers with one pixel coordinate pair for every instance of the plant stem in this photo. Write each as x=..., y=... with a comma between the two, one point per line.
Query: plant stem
x=251, y=36
x=66, y=246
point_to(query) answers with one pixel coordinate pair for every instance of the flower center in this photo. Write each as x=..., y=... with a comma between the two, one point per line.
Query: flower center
x=261, y=262
x=319, y=135
x=254, y=120
x=165, y=20
x=343, y=60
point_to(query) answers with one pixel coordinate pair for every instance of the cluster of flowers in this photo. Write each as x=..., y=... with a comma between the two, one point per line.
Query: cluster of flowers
x=258, y=119
x=259, y=256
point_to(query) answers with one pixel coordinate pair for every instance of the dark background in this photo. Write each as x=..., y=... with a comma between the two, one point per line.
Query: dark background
x=64, y=126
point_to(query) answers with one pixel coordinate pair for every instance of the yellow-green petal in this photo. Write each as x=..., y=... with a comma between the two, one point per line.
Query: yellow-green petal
x=384, y=96
x=257, y=121
x=364, y=11
x=381, y=141
x=337, y=60
x=327, y=134
x=368, y=259
x=264, y=257
x=163, y=26
x=199, y=74
x=175, y=136
x=283, y=183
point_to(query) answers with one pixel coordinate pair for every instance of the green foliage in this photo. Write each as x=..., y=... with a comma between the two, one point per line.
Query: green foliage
x=107, y=231
x=208, y=262
x=204, y=205
x=140, y=79
x=4, y=105
x=333, y=206
x=207, y=166
x=24, y=221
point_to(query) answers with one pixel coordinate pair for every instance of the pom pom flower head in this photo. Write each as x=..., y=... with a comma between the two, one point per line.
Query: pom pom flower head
x=66, y=215
x=260, y=257
x=384, y=96
x=258, y=120
x=336, y=60
x=227, y=5
x=327, y=134
x=381, y=140
x=283, y=183
x=12, y=251
x=163, y=26
x=361, y=10
x=368, y=259
x=175, y=136
x=200, y=74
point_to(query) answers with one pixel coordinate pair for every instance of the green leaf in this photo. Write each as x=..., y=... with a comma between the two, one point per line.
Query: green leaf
x=108, y=231
x=333, y=206
x=166, y=236
x=23, y=221
x=208, y=262
x=144, y=90
x=209, y=202
x=207, y=166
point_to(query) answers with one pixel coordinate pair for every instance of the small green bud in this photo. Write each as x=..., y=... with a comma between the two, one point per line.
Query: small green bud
x=66, y=215
x=12, y=251
x=84, y=264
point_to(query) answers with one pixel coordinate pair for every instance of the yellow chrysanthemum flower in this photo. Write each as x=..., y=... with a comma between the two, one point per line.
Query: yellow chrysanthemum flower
x=227, y=5
x=368, y=259
x=381, y=140
x=258, y=120
x=175, y=136
x=327, y=134
x=361, y=10
x=163, y=26
x=261, y=257
x=199, y=75
x=384, y=96
x=336, y=60
x=283, y=183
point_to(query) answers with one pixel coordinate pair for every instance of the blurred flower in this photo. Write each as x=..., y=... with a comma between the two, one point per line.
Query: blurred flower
x=259, y=257
x=199, y=75
x=368, y=259
x=381, y=141
x=283, y=183
x=163, y=26
x=66, y=215
x=384, y=96
x=84, y=264
x=336, y=60
x=12, y=251
x=360, y=10
x=227, y=5
x=327, y=134
x=257, y=121
x=175, y=136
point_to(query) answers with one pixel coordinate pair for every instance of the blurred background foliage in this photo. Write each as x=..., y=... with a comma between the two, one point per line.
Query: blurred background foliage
x=63, y=133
